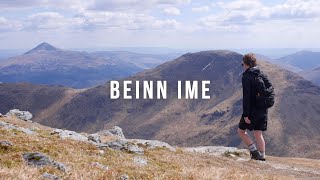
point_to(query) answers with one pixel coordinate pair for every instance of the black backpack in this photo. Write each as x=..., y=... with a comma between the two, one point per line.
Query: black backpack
x=264, y=91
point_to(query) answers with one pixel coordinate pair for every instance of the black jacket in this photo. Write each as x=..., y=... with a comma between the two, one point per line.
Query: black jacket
x=249, y=91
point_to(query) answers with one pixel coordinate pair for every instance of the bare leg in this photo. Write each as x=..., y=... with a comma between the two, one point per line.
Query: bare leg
x=245, y=137
x=260, y=141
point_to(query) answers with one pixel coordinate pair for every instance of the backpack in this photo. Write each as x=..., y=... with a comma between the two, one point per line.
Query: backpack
x=264, y=91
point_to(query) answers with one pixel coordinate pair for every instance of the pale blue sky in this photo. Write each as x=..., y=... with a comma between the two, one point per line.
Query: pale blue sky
x=204, y=24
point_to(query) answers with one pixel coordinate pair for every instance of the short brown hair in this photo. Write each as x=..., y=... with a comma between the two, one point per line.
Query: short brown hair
x=250, y=59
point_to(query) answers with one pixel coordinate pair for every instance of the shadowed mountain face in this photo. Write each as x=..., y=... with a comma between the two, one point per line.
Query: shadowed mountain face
x=46, y=64
x=293, y=127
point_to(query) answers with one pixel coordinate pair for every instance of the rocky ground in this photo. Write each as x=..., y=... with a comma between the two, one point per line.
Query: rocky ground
x=31, y=151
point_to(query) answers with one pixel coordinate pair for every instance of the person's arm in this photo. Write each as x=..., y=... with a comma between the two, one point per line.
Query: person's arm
x=246, y=96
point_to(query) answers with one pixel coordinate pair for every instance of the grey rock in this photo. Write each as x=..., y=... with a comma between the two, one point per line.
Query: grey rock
x=24, y=115
x=6, y=143
x=152, y=144
x=125, y=145
x=140, y=161
x=124, y=177
x=14, y=127
x=217, y=150
x=59, y=166
x=94, y=138
x=50, y=176
x=114, y=131
x=38, y=159
x=66, y=134
x=101, y=166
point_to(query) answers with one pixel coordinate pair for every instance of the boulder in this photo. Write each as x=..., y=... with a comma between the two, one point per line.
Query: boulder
x=38, y=159
x=94, y=138
x=218, y=150
x=124, y=145
x=24, y=115
x=152, y=144
x=14, y=127
x=114, y=131
x=66, y=134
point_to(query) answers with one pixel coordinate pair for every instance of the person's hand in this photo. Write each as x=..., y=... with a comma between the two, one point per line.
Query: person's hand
x=247, y=120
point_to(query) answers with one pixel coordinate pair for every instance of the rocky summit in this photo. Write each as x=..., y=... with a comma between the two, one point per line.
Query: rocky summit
x=50, y=153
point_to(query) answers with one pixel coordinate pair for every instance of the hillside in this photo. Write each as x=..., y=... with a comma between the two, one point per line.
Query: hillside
x=144, y=61
x=46, y=64
x=303, y=60
x=305, y=63
x=292, y=128
x=313, y=75
x=74, y=159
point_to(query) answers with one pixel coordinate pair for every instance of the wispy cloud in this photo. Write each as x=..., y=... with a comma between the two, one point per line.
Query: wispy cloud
x=172, y=11
x=163, y=22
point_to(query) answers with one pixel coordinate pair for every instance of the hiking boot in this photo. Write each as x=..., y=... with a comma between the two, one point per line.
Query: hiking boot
x=256, y=155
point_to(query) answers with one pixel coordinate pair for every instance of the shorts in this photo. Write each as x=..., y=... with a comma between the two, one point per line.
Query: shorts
x=259, y=121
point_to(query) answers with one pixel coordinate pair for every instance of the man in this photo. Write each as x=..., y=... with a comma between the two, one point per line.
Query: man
x=253, y=117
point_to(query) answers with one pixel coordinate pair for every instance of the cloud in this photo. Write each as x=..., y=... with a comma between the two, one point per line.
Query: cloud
x=240, y=5
x=120, y=20
x=172, y=11
x=251, y=12
x=202, y=9
x=61, y=4
x=132, y=5
x=45, y=21
x=7, y=25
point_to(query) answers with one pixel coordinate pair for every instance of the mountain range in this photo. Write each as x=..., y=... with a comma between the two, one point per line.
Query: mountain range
x=305, y=63
x=293, y=127
x=46, y=64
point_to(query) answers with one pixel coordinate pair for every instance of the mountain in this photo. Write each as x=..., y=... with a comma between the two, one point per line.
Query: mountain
x=46, y=64
x=293, y=128
x=313, y=75
x=42, y=47
x=32, y=151
x=279, y=63
x=145, y=61
x=302, y=60
x=306, y=63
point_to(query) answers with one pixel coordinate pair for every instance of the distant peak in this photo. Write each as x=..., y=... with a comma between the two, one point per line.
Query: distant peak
x=43, y=46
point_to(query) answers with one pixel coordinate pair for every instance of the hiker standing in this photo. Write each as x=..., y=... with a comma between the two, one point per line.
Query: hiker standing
x=258, y=96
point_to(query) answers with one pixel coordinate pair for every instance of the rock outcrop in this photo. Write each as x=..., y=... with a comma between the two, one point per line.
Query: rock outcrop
x=66, y=134
x=152, y=144
x=14, y=127
x=125, y=145
x=114, y=131
x=24, y=115
x=218, y=150
x=38, y=159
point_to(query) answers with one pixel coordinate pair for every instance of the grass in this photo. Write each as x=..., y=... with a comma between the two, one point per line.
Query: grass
x=79, y=157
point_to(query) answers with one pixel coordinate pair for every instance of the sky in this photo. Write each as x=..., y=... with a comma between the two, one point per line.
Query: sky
x=180, y=24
